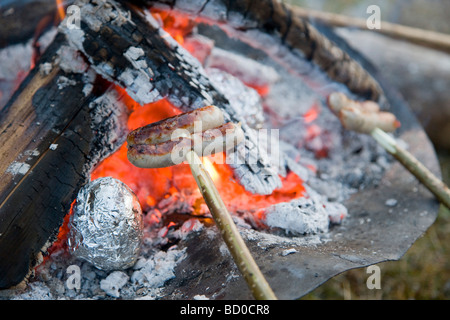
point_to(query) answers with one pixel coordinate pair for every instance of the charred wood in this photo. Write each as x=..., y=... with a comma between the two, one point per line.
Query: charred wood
x=48, y=148
x=290, y=34
x=128, y=47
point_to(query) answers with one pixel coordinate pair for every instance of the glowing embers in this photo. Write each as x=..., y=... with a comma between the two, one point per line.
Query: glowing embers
x=173, y=190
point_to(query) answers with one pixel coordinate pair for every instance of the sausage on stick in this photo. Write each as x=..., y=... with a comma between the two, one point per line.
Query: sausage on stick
x=174, y=140
x=366, y=117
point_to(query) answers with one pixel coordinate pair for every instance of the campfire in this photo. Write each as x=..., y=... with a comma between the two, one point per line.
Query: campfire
x=310, y=198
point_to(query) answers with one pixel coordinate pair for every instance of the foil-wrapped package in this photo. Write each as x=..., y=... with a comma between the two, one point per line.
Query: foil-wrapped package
x=106, y=226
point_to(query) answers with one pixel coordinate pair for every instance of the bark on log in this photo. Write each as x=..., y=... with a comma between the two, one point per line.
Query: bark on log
x=47, y=147
x=55, y=109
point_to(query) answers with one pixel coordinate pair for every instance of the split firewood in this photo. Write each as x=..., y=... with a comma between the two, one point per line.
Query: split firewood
x=281, y=28
x=128, y=47
x=46, y=144
x=159, y=144
x=366, y=117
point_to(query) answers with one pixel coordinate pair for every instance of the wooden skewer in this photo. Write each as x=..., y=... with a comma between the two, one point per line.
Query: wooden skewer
x=366, y=117
x=435, y=185
x=426, y=38
x=236, y=245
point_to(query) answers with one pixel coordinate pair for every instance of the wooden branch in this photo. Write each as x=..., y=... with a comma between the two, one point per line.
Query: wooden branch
x=425, y=176
x=426, y=38
x=366, y=117
x=236, y=245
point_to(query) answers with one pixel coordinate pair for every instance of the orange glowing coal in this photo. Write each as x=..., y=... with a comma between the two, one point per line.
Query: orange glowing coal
x=60, y=9
x=153, y=185
x=178, y=26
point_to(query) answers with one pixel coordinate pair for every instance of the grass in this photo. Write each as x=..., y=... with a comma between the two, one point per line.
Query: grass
x=423, y=273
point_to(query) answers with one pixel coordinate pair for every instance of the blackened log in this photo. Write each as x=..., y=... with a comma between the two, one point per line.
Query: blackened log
x=47, y=146
x=128, y=47
x=290, y=32
x=21, y=19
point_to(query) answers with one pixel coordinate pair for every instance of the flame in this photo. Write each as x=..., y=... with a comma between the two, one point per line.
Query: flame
x=60, y=9
x=150, y=185
x=153, y=185
x=312, y=113
x=177, y=26
x=61, y=240
x=209, y=166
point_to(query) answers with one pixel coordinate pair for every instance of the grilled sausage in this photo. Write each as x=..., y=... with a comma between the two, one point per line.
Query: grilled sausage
x=172, y=152
x=361, y=116
x=207, y=117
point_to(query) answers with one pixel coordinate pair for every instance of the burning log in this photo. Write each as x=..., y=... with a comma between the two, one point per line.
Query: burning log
x=132, y=50
x=48, y=149
x=127, y=46
x=285, y=36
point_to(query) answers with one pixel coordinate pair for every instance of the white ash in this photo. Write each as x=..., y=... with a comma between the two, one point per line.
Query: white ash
x=15, y=63
x=244, y=100
x=138, y=86
x=391, y=202
x=18, y=168
x=64, y=82
x=336, y=211
x=298, y=217
x=113, y=283
x=32, y=153
x=13, y=59
x=187, y=227
x=88, y=80
x=133, y=54
x=288, y=252
x=70, y=60
x=266, y=240
x=145, y=280
x=247, y=70
x=156, y=270
x=45, y=68
x=16, y=59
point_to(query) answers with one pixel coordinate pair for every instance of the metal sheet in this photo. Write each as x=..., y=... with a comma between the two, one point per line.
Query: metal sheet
x=373, y=232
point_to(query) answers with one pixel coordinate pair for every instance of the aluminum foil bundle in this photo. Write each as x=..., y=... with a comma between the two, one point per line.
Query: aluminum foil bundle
x=106, y=226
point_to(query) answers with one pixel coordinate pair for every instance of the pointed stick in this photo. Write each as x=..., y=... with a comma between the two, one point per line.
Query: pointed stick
x=435, y=185
x=426, y=38
x=366, y=117
x=236, y=245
